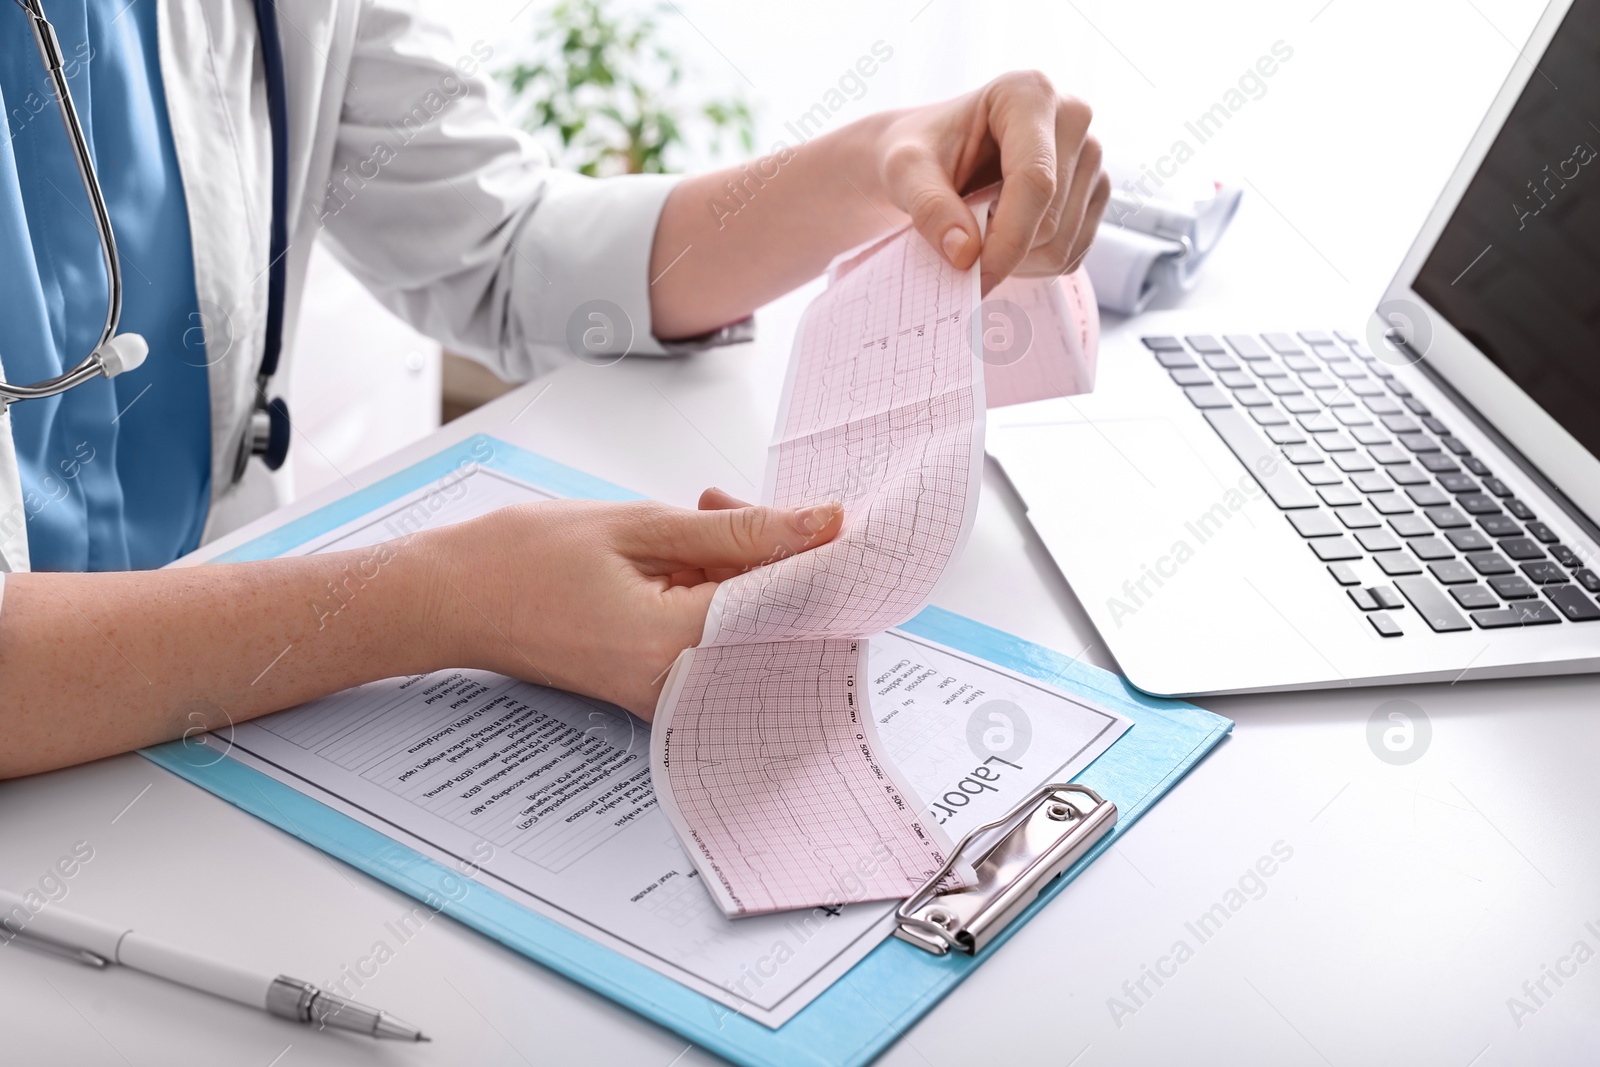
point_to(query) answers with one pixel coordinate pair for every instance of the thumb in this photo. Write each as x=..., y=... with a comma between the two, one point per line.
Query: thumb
x=922, y=186
x=735, y=538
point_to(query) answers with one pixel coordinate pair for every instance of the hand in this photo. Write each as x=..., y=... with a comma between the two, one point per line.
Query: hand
x=599, y=598
x=1017, y=130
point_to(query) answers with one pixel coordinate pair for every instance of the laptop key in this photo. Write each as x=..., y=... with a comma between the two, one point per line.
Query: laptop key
x=1268, y=416
x=1318, y=379
x=1333, y=441
x=1521, y=548
x=1386, y=407
x=1399, y=423
x=1301, y=364
x=1162, y=344
x=1446, y=518
x=1356, y=518
x=1321, y=474
x=1370, y=435
x=1236, y=379
x=1388, y=455
x=1498, y=619
x=1406, y=474
x=1362, y=599
x=1347, y=371
x=1564, y=555
x=1281, y=343
x=1410, y=525
x=1437, y=462
x=1451, y=572
x=1388, y=503
x=1499, y=526
x=1315, y=337
x=1458, y=483
x=1413, y=405
x=1473, y=597
x=1431, y=548
x=1534, y=612
x=1387, y=597
x=1477, y=504
x=1497, y=487
x=1253, y=398
x=1204, y=342
x=1571, y=602
x=1343, y=573
x=1335, y=397
x=1543, y=534
x=1266, y=368
x=1314, y=522
x=1588, y=579
x=1352, y=462
x=1519, y=509
x=1365, y=387
x=1419, y=442
x=1543, y=572
x=1476, y=466
x=1370, y=481
x=1220, y=362
x=1190, y=376
x=1427, y=496
x=1301, y=404
x=1434, y=607
x=1352, y=417
x=1207, y=396
x=1247, y=347
x=1487, y=563
x=1282, y=386
x=1285, y=435
x=1512, y=587
x=1434, y=425
x=1396, y=564
x=1260, y=459
x=1455, y=445
x=1339, y=496
x=1377, y=540
x=1331, y=549
x=1385, y=625
x=1468, y=540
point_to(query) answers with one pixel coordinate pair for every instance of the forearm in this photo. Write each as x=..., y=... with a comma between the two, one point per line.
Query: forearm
x=734, y=239
x=94, y=664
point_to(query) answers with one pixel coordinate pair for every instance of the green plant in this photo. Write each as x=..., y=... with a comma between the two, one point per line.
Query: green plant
x=604, y=82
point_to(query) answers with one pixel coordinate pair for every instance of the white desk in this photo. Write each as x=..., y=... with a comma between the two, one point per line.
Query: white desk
x=1417, y=899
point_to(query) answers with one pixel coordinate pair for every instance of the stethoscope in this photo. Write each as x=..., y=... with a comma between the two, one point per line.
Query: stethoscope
x=267, y=430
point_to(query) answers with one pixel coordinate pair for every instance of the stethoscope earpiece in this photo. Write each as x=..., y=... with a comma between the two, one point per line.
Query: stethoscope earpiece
x=124, y=352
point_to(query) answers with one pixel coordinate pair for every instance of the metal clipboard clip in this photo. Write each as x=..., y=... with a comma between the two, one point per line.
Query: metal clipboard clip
x=1048, y=832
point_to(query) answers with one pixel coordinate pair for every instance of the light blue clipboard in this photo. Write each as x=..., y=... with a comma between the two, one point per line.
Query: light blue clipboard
x=858, y=1016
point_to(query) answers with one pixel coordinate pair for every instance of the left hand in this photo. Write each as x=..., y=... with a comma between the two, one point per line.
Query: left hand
x=1017, y=130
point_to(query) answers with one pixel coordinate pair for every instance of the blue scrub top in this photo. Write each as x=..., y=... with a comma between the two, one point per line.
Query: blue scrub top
x=115, y=474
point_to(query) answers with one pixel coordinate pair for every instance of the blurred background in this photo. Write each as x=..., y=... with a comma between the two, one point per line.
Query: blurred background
x=1340, y=152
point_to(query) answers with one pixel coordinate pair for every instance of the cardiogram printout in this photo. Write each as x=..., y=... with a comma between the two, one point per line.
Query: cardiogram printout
x=765, y=752
x=547, y=798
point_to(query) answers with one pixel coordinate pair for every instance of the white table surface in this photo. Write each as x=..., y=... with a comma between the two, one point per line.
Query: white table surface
x=1418, y=898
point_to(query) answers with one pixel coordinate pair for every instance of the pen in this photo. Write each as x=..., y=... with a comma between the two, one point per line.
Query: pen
x=97, y=944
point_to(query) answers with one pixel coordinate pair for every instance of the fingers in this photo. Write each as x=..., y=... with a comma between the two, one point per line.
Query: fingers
x=1099, y=197
x=714, y=499
x=677, y=542
x=1075, y=218
x=1022, y=121
x=927, y=192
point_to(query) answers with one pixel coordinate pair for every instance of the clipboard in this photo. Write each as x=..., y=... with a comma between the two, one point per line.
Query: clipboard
x=860, y=1015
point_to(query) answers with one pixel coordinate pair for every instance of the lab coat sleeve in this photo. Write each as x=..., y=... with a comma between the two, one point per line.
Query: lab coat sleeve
x=459, y=224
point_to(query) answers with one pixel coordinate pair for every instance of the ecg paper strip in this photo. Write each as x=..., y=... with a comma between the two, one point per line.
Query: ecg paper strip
x=764, y=753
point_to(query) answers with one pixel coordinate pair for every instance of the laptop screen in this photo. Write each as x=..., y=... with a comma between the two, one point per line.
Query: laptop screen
x=1517, y=268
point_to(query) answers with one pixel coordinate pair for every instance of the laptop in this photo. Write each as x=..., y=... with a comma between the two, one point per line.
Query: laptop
x=1251, y=506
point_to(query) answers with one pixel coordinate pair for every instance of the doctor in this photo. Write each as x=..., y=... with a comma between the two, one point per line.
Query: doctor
x=388, y=152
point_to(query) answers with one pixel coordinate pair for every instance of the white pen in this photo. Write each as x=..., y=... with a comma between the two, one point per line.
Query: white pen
x=99, y=944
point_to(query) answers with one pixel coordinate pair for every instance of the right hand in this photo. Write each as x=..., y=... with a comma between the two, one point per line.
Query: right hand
x=599, y=598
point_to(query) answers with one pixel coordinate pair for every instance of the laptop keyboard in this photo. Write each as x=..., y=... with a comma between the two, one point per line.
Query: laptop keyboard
x=1362, y=469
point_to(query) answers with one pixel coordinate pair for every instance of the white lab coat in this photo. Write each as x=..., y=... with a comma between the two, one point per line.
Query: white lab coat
x=453, y=219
